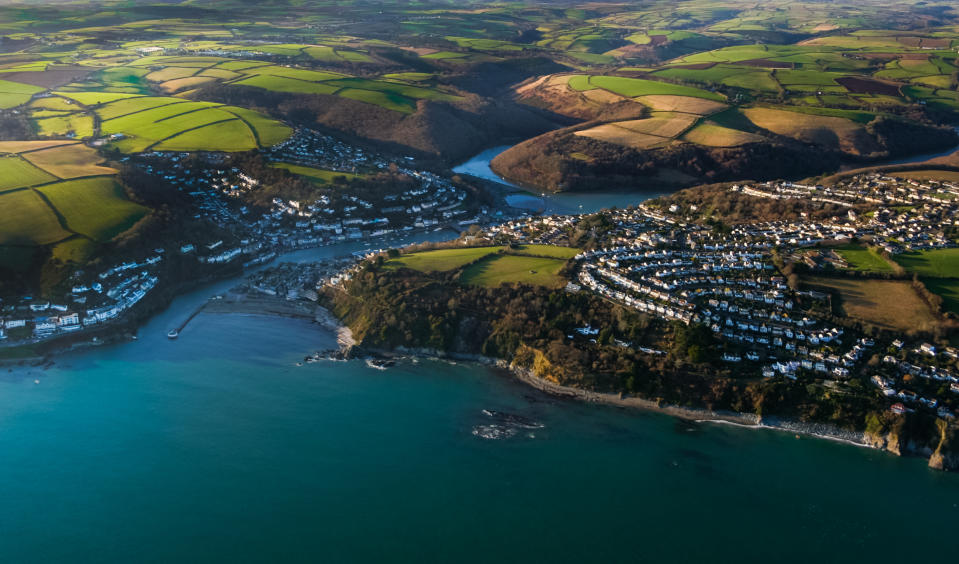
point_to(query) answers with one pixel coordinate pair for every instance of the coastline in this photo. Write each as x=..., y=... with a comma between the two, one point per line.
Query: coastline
x=693, y=414
x=234, y=303
x=245, y=303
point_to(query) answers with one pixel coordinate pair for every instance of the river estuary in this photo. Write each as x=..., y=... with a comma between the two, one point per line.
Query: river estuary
x=562, y=203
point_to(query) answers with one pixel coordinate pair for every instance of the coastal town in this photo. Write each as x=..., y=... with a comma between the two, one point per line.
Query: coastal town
x=664, y=263
x=656, y=260
x=246, y=236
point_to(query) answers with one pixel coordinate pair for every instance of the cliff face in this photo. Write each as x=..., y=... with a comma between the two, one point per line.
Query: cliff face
x=911, y=436
x=946, y=455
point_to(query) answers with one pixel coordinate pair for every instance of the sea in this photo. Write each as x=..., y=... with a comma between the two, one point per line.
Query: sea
x=222, y=446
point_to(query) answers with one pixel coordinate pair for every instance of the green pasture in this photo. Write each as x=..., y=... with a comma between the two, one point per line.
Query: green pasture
x=633, y=87
x=442, y=260
x=95, y=207
x=15, y=172
x=283, y=84
x=948, y=289
x=317, y=175
x=25, y=219
x=80, y=125
x=863, y=259
x=498, y=269
x=492, y=266
x=936, y=263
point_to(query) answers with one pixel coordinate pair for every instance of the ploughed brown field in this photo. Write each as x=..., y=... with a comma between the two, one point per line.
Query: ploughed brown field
x=887, y=304
x=695, y=66
x=858, y=85
x=53, y=78
x=766, y=64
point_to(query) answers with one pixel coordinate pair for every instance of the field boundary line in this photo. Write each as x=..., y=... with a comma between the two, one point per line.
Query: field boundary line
x=177, y=134
x=60, y=217
x=145, y=109
x=256, y=134
x=214, y=107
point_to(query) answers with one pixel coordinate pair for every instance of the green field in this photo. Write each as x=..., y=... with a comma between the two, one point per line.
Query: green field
x=89, y=206
x=550, y=251
x=283, y=84
x=25, y=219
x=94, y=98
x=76, y=249
x=15, y=172
x=491, y=266
x=442, y=260
x=228, y=135
x=863, y=259
x=76, y=125
x=13, y=94
x=268, y=131
x=634, y=87
x=938, y=263
x=95, y=207
x=410, y=76
x=388, y=100
x=317, y=175
x=409, y=91
x=178, y=125
x=495, y=270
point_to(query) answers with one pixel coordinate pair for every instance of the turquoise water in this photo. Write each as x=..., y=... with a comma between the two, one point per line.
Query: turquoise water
x=217, y=447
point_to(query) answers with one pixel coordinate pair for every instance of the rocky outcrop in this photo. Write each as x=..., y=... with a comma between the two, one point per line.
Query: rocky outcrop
x=946, y=455
x=901, y=439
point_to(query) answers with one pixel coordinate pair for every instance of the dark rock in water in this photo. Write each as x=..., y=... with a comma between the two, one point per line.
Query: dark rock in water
x=330, y=355
x=494, y=432
x=513, y=420
x=505, y=425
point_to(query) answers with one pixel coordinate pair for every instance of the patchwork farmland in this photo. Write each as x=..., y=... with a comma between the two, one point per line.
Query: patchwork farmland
x=141, y=123
x=56, y=193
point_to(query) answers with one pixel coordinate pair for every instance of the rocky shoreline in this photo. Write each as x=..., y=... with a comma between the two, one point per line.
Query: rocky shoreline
x=245, y=303
x=526, y=376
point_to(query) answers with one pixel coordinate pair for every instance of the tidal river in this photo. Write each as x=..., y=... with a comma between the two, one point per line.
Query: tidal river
x=217, y=447
x=562, y=203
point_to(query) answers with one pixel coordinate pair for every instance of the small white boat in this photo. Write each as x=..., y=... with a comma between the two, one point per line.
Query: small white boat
x=173, y=334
